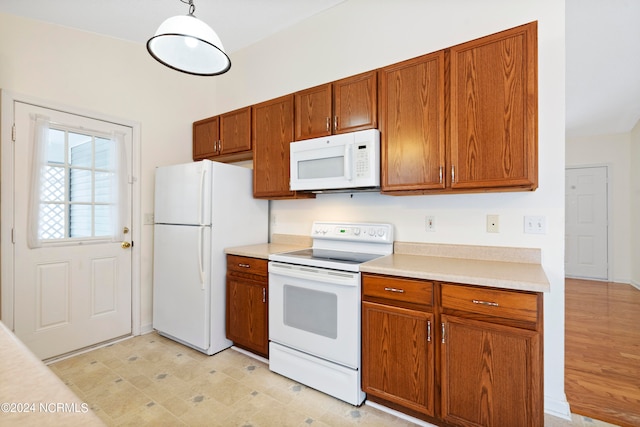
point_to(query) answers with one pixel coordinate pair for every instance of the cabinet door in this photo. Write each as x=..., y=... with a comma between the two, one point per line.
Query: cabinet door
x=494, y=110
x=355, y=103
x=247, y=314
x=313, y=112
x=398, y=356
x=205, y=136
x=490, y=374
x=235, y=131
x=412, y=124
x=272, y=132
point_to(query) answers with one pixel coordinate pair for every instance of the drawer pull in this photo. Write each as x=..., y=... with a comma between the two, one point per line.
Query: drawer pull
x=400, y=291
x=492, y=304
x=244, y=265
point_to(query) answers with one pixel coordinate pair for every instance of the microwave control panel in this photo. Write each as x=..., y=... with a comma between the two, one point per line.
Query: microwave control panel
x=362, y=161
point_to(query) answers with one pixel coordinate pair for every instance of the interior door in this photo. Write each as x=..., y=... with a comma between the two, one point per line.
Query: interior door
x=73, y=291
x=586, y=223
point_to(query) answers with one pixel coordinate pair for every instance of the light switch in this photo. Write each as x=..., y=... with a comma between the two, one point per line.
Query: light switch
x=535, y=224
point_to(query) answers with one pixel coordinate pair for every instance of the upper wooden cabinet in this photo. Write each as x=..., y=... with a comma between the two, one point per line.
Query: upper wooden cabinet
x=345, y=105
x=412, y=120
x=494, y=110
x=226, y=137
x=206, y=134
x=272, y=132
x=463, y=119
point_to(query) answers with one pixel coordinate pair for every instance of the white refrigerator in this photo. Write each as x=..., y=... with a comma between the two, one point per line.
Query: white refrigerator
x=201, y=208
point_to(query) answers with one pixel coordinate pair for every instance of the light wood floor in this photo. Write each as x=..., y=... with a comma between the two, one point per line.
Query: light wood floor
x=602, y=350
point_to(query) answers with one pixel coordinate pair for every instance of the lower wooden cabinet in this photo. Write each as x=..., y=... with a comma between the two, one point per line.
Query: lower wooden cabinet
x=398, y=349
x=488, y=375
x=247, y=304
x=453, y=354
x=398, y=355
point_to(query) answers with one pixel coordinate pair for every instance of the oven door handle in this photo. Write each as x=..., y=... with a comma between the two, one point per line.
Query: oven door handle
x=334, y=277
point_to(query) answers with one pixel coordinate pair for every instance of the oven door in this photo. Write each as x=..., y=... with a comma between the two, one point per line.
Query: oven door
x=316, y=311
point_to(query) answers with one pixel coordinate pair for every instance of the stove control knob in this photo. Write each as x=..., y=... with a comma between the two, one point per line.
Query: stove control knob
x=356, y=231
x=380, y=232
x=372, y=232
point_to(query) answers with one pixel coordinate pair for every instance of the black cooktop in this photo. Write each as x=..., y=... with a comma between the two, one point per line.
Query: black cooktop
x=346, y=257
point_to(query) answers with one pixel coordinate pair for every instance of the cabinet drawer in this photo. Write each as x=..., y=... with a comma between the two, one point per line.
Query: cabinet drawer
x=398, y=289
x=247, y=265
x=492, y=302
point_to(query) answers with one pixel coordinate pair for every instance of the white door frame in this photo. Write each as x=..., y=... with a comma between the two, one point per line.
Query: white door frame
x=7, y=99
x=610, y=257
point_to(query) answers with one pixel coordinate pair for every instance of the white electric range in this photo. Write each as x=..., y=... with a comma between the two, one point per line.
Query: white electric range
x=314, y=306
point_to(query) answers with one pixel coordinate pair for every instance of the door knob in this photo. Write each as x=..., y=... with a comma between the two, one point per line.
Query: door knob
x=125, y=245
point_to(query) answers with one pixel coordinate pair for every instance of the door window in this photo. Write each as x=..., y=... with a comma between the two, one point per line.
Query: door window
x=75, y=187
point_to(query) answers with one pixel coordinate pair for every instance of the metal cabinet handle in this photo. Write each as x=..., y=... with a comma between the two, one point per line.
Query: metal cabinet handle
x=328, y=124
x=335, y=123
x=443, y=332
x=453, y=174
x=264, y=294
x=244, y=265
x=400, y=291
x=440, y=174
x=428, y=330
x=492, y=304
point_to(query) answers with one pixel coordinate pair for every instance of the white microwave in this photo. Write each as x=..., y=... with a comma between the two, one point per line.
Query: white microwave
x=337, y=162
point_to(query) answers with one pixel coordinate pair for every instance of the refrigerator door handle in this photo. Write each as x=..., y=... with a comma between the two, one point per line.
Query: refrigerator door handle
x=203, y=173
x=200, y=256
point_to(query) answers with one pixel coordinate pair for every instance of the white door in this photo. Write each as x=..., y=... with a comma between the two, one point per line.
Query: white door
x=74, y=290
x=586, y=223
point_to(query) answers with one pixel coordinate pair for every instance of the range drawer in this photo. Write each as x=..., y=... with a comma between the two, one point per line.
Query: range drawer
x=247, y=265
x=492, y=302
x=398, y=289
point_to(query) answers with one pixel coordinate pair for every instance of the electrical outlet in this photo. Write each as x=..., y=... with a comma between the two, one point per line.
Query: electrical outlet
x=535, y=224
x=430, y=223
x=493, y=224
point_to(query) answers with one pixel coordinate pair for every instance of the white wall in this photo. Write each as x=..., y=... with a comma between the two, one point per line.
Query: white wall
x=635, y=205
x=120, y=79
x=612, y=151
x=115, y=78
x=360, y=35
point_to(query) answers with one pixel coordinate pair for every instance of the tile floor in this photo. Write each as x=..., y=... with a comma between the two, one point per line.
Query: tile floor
x=152, y=381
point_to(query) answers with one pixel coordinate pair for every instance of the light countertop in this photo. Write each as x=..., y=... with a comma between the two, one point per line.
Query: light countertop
x=499, y=267
x=31, y=394
x=279, y=243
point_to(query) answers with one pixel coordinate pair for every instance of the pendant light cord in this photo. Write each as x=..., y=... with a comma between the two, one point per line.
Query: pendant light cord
x=192, y=7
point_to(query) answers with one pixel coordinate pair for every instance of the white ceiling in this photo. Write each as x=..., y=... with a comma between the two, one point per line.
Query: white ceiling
x=602, y=42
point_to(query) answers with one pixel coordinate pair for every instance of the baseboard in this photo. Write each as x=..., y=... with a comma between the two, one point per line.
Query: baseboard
x=557, y=408
x=405, y=417
x=252, y=355
x=145, y=329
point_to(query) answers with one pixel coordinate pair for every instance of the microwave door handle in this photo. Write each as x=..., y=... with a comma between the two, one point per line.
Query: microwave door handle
x=348, y=163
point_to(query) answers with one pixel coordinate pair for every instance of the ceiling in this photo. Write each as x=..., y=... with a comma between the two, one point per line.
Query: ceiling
x=602, y=36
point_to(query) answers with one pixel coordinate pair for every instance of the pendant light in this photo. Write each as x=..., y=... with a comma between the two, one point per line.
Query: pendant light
x=187, y=44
